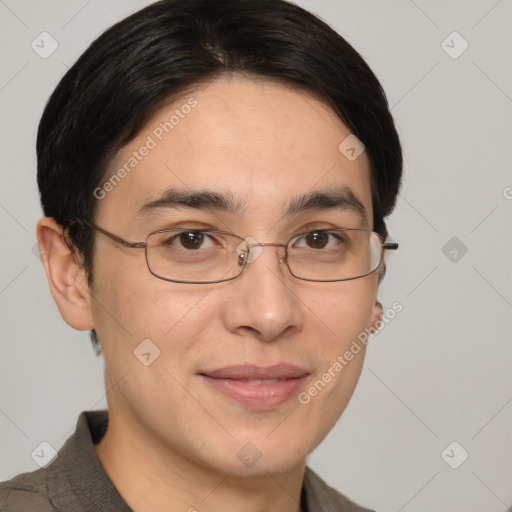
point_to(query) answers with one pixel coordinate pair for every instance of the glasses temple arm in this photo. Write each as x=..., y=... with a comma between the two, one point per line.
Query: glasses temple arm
x=117, y=239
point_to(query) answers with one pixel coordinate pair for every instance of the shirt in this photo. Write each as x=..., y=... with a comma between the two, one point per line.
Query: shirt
x=76, y=481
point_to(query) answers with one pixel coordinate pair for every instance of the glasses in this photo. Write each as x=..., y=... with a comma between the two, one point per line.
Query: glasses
x=206, y=256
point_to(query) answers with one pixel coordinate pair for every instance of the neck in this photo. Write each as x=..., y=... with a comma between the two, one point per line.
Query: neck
x=156, y=478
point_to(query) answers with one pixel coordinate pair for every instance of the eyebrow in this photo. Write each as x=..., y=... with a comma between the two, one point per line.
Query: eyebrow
x=200, y=200
x=341, y=198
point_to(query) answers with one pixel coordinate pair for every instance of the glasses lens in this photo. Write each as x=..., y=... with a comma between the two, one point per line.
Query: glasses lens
x=194, y=256
x=332, y=255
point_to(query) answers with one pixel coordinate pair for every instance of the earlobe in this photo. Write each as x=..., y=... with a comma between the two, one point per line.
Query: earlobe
x=66, y=277
x=376, y=315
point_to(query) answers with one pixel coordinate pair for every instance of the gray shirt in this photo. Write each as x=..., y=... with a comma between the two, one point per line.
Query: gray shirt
x=76, y=481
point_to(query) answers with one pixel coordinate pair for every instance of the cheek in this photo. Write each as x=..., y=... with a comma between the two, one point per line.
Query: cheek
x=162, y=314
x=167, y=325
x=345, y=310
x=331, y=387
x=130, y=305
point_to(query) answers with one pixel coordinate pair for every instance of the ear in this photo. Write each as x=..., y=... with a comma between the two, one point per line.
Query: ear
x=66, y=277
x=376, y=315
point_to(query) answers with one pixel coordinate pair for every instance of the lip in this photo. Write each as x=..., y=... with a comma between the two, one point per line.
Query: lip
x=257, y=387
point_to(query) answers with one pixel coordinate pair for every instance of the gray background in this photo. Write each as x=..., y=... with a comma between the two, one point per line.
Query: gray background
x=438, y=373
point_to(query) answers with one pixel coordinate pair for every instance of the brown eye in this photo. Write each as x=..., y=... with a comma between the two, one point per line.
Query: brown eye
x=191, y=239
x=317, y=239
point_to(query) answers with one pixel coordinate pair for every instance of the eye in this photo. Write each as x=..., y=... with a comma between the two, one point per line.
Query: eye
x=190, y=240
x=318, y=240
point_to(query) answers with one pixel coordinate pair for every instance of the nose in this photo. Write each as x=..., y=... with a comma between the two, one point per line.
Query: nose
x=262, y=302
x=255, y=249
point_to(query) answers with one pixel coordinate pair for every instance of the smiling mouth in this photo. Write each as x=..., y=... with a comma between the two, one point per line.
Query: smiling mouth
x=257, y=387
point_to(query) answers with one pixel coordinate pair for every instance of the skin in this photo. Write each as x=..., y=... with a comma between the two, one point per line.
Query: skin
x=172, y=439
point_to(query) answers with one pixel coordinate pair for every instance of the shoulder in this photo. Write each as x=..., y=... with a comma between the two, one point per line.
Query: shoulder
x=321, y=497
x=73, y=480
x=26, y=493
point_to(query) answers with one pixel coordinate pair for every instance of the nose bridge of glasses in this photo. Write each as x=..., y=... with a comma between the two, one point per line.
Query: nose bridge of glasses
x=255, y=249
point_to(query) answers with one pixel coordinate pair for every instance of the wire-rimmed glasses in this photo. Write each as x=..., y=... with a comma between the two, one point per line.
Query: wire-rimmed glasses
x=204, y=256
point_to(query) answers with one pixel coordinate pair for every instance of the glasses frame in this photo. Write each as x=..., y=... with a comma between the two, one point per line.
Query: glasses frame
x=392, y=246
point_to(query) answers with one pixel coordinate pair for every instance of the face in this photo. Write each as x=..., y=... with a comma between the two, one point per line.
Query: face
x=238, y=360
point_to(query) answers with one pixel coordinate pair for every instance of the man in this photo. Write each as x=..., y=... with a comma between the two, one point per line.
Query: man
x=215, y=177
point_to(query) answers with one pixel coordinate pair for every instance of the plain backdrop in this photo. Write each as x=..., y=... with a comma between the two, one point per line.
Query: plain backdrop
x=439, y=373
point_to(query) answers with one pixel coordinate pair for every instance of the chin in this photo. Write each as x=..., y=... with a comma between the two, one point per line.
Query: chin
x=261, y=455
x=263, y=467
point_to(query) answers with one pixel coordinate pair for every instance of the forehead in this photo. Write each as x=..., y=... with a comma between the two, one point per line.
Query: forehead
x=261, y=142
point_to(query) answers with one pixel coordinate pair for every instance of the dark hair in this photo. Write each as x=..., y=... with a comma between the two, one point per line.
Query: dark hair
x=147, y=59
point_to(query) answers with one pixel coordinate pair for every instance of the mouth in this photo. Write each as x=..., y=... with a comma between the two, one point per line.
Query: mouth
x=257, y=387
